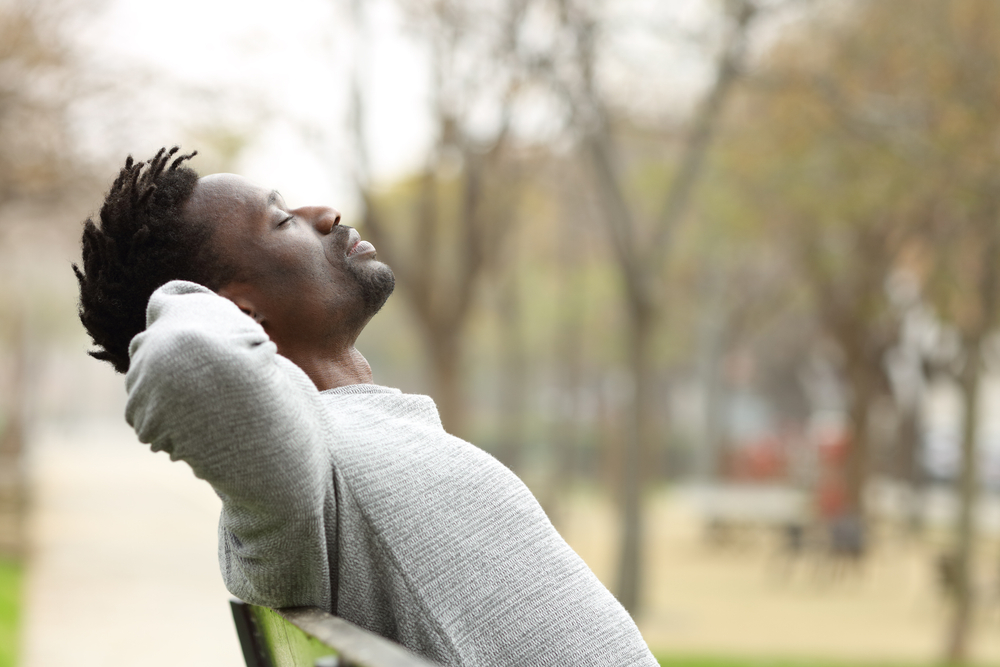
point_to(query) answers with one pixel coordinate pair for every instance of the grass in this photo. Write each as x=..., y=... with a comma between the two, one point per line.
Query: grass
x=666, y=660
x=10, y=603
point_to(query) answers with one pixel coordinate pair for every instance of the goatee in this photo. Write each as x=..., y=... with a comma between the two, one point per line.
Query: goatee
x=376, y=282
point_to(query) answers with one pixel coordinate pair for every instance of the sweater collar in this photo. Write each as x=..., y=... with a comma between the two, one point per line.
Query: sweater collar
x=360, y=389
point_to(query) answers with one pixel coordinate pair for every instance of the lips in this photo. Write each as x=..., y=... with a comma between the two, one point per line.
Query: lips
x=355, y=246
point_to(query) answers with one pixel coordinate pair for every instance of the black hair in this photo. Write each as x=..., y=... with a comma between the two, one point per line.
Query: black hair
x=143, y=241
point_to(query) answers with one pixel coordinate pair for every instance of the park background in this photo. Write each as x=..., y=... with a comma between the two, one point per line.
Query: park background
x=717, y=278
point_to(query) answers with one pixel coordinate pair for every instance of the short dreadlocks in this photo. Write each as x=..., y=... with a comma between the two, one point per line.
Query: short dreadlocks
x=143, y=241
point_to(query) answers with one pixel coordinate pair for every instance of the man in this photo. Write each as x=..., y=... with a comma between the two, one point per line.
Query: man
x=234, y=318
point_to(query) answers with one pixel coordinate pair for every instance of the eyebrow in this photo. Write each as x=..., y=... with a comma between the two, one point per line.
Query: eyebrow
x=273, y=197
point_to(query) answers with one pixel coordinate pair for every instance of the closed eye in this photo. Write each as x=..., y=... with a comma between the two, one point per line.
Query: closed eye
x=285, y=221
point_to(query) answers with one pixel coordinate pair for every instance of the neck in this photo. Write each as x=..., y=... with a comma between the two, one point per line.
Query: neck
x=345, y=367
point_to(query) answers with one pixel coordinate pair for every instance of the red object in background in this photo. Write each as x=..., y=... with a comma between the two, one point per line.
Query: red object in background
x=831, y=492
x=831, y=497
x=759, y=460
x=833, y=449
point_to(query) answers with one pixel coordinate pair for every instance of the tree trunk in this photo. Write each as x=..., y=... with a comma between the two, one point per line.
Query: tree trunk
x=513, y=378
x=641, y=261
x=960, y=626
x=12, y=437
x=446, y=379
x=856, y=468
x=961, y=620
x=566, y=426
x=909, y=468
x=637, y=448
x=568, y=356
x=712, y=348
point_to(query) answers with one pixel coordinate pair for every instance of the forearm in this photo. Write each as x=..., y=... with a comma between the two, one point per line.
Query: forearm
x=207, y=386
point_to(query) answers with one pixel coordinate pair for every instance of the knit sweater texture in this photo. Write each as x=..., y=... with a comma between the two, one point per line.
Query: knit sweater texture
x=356, y=500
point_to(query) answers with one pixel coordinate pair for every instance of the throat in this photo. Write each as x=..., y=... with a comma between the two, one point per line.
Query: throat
x=344, y=368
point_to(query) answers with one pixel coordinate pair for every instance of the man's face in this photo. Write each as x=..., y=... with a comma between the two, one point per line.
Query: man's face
x=308, y=280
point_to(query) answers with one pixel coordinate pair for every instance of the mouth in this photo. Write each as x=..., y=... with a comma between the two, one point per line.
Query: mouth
x=356, y=247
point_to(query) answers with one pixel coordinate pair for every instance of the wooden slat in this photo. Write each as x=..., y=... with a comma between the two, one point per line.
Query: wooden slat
x=300, y=637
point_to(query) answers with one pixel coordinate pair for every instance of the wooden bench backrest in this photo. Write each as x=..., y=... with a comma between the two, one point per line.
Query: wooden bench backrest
x=310, y=637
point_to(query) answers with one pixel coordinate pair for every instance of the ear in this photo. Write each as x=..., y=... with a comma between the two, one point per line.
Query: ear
x=242, y=295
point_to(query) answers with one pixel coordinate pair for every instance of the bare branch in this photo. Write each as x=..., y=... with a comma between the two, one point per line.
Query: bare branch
x=730, y=67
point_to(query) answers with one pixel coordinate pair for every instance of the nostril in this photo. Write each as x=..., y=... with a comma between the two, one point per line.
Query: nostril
x=327, y=220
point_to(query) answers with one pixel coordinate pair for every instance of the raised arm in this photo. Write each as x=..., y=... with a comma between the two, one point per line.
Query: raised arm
x=207, y=386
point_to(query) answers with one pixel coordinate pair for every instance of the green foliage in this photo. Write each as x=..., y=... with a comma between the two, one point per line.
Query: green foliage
x=10, y=604
x=667, y=660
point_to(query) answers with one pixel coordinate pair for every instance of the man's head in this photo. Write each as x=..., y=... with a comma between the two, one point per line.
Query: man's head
x=310, y=282
x=306, y=279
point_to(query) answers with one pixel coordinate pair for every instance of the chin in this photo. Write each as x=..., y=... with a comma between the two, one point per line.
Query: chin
x=376, y=281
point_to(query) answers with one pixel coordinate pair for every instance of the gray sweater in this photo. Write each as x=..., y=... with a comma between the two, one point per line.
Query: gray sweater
x=357, y=501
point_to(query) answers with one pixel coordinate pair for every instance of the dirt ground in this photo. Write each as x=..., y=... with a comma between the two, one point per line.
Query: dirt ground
x=123, y=571
x=744, y=598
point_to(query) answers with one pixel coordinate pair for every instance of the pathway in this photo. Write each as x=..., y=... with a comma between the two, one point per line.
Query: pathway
x=123, y=566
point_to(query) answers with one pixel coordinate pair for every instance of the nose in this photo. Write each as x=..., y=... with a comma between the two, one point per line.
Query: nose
x=324, y=218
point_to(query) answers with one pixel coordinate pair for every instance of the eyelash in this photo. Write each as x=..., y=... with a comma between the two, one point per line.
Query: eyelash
x=282, y=223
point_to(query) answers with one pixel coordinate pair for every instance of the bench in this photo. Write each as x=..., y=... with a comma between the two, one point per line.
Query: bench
x=310, y=637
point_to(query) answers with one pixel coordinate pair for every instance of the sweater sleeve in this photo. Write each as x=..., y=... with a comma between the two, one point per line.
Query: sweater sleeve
x=207, y=386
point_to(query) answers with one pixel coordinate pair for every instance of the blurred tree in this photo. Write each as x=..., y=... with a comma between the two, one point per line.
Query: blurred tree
x=641, y=253
x=843, y=229
x=36, y=158
x=513, y=372
x=839, y=180
x=463, y=203
x=953, y=88
x=880, y=127
x=973, y=305
x=569, y=328
x=36, y=163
